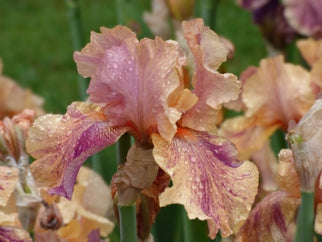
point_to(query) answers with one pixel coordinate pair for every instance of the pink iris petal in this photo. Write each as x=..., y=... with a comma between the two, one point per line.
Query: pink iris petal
x=211, y=87
x=304, y=16
x=88, y=59
x=133, y=82
x=270, y=219
x=207, y=179
x=61, y=143
x=8, y=233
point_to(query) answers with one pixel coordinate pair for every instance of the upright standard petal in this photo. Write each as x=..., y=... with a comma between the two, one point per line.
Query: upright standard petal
x=278, y=92
x=211, y=87
x=133, y=82
x=207, y=179
x=61, y=144
x=87, y=60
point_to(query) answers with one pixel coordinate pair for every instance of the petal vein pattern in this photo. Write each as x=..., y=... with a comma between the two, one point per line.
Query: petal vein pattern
x=133, y=81
x=207, y=179
x=211, y=87
x=62, y=143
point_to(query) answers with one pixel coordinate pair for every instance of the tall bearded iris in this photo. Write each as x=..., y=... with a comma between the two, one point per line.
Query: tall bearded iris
x=138, y=87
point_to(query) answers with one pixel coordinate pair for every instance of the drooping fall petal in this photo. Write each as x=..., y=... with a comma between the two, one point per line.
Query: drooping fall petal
x=133, y=80
x=211, y=87
x=207, y=179
x=270, y=219
x=246, y=134
x=61, y=144
x=8, y=234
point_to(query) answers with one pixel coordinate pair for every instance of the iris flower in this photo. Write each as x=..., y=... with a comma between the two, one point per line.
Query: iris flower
x=138, y=87
x=274, y=94
x=14, y=99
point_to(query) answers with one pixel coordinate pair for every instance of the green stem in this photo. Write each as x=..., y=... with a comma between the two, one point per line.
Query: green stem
x=122, y=147
x=187, y=229
x=128, y=223
x=118, y=8
x=208, y=11
x=305, y=220
x=76, y=29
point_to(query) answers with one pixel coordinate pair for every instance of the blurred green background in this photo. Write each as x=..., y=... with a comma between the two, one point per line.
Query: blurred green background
x=36, y=49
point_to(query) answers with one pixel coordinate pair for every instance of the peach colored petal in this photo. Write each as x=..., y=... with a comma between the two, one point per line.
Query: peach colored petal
x=266, y=162
x=247, y=134
x=8, y=234
x=310, y=49
x=304, y=16
x=97, y=201
x=90, y=56
x=238, y=104
x=9, y=176
x=204, y=170
x=318, y=219
x=286, y=175
x=133, y=82
x=278, y=92
x=14, y=99
x=316, y=76
x=61, y=144
x=270, y=219
x=204, y=44
x=211, y=87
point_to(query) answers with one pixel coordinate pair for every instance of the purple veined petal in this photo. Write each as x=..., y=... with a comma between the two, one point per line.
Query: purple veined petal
x=8, y=233
x=270, y=219
x=211, y=87
x=207, y=179
x=62, y=143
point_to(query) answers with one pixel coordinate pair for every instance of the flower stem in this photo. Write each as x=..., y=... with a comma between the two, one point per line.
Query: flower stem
x=187, y=230
x=128, y=223
x=122, y=147
x=304, y=231
x=76, y=29
x=208, y=10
